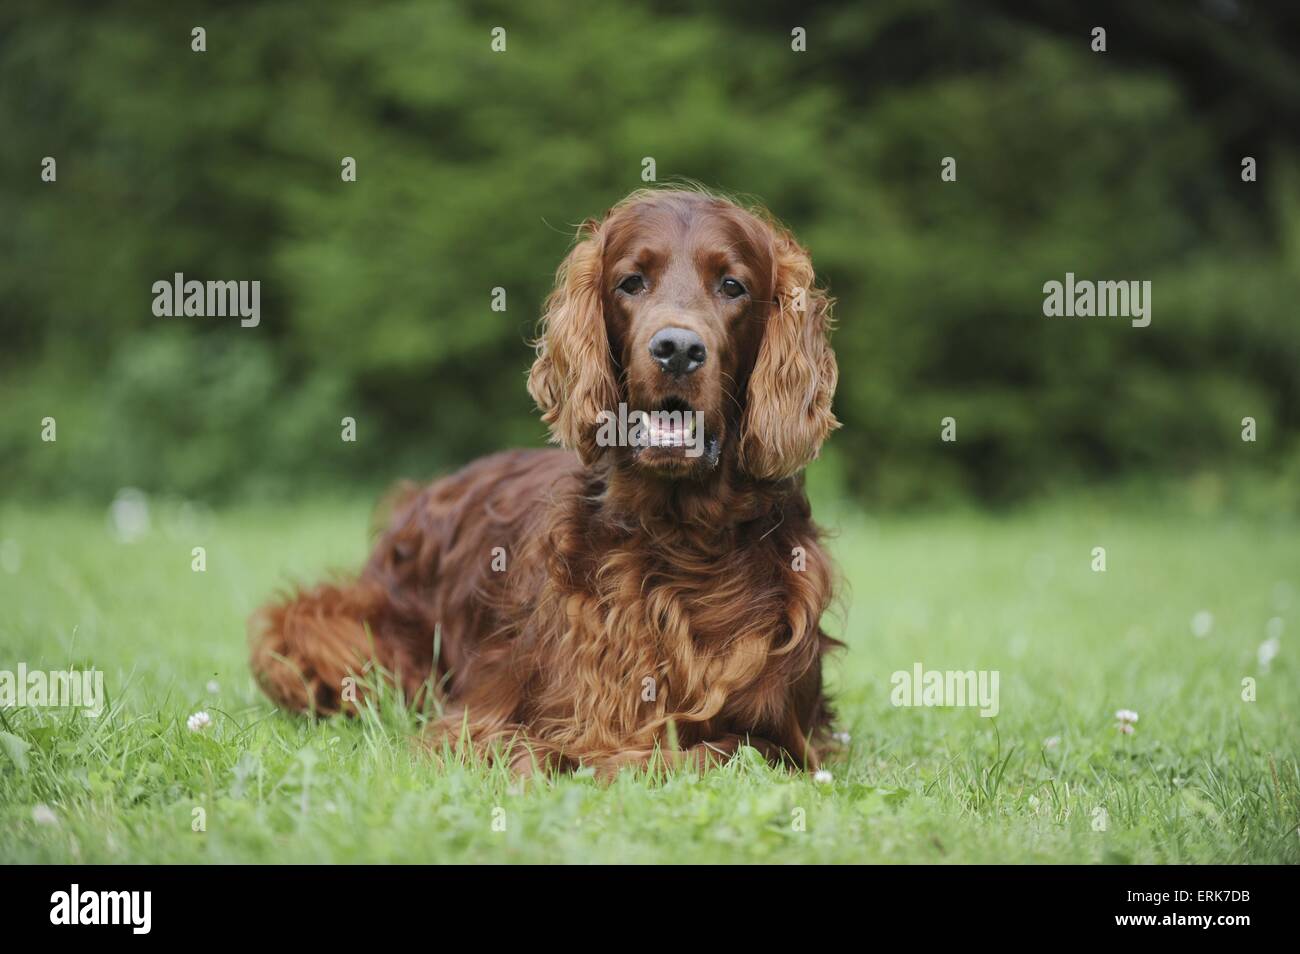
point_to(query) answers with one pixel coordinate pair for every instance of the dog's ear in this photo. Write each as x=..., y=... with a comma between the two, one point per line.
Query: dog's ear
x=788, y=411
x=572, y=378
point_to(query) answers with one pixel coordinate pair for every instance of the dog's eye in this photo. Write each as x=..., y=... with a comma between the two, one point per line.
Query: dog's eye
x=632, y=285
x=732, y=288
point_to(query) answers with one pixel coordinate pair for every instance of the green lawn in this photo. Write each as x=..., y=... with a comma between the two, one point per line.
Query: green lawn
x=1206, y=776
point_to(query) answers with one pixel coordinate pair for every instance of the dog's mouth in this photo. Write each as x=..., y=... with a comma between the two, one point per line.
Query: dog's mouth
x=673, y=435
x=672, y=424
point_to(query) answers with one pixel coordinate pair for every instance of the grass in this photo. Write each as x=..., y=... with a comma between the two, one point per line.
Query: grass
x=1206, y=776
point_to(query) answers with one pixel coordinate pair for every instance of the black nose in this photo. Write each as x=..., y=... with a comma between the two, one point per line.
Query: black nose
x=677, y=350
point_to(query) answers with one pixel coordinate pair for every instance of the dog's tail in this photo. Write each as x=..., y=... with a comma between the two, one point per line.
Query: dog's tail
x=317, y=650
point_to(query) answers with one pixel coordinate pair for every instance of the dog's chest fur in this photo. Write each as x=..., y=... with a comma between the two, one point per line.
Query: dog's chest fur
x=642, y=639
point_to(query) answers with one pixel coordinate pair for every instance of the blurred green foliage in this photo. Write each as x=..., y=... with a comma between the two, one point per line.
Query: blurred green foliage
x=474, y=167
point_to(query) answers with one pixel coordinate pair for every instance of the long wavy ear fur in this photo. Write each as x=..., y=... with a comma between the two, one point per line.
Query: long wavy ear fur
x=572, y=378
x=788, y=412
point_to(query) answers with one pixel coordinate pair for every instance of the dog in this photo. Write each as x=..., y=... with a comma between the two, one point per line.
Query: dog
x=608, y=603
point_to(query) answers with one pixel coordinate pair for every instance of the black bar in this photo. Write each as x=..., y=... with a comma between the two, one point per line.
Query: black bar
x=330, y=903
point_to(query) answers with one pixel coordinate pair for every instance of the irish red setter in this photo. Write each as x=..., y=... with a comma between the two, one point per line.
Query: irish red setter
x=657, y=586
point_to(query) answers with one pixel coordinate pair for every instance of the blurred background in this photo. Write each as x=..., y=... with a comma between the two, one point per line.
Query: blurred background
x=473, y=168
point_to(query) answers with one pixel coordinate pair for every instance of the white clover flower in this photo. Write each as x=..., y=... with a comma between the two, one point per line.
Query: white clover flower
x=1202, y=623
x=1051, y=742
x=823, y=777
x=841, y=737
x=198, y=722
x=1126, y=715
x=128, y=515
x=42, y=814
x=1125, y=727
x=213, y=687
x=1268, y=651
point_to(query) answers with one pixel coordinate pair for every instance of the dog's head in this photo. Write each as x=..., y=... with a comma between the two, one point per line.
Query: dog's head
x=703, y=321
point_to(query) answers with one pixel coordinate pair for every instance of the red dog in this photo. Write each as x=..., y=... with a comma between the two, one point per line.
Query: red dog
x=599, y=606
